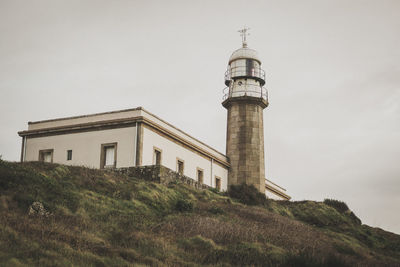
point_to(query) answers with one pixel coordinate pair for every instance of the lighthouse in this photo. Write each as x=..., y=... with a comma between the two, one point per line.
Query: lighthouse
x=245, y=98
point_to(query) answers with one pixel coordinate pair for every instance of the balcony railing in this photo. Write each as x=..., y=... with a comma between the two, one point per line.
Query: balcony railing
x=262, y=93
x=243, y=71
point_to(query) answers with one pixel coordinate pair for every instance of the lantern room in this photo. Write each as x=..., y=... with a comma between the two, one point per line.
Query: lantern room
x=244, y=76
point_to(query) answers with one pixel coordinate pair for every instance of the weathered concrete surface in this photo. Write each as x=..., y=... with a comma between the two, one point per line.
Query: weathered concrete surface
x=245, y=141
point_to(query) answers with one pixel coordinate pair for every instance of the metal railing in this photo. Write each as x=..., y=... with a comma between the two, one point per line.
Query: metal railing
x=228, y=93
x=243, y=71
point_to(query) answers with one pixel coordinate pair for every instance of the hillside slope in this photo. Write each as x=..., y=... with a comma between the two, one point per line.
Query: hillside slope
x=101, y=218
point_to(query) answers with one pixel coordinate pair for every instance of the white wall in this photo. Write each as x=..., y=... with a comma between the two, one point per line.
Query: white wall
x=192, y=160
x=124, y=114
x=86, y=147
x=183, y=135
x=222, y=173
x=271, y=195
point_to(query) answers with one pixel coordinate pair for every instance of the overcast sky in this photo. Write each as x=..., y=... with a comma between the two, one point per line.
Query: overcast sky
x=333, y=75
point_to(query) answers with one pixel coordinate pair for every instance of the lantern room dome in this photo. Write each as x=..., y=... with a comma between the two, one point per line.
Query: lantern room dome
x=244, y=53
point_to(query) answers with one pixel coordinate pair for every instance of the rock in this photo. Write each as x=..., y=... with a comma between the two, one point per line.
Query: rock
x=37, y=208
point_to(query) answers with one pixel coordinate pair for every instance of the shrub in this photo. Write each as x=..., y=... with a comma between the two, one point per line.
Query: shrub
x=214, y=190
x=247, y=194
x=340, y=206
x=354, y=218
x=216, y=210
x=183, y=205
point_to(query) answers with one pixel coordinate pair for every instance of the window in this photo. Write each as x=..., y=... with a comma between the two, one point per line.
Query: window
x=250, y=67
x=108, y=156
x=218, y=183
x=46, y=155
x=157, y=156
x=69, y=154
x=179, y=166
x=200, y=175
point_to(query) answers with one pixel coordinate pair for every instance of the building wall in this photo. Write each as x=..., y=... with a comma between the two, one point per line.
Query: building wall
x=272, y=195
x=136, y=113
x=221, y=172
x=183, y=135
x=172, y=150
x=86, y=147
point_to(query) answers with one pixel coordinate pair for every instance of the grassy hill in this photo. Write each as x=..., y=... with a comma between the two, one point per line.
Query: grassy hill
x=102, y=218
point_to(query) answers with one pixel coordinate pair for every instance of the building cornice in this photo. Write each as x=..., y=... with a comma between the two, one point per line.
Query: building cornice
x=81, y=127
x=269, y=181
x=86, y=116
x=277, y=192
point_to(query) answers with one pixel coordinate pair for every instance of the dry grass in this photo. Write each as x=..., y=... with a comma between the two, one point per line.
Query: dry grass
x=100, y=218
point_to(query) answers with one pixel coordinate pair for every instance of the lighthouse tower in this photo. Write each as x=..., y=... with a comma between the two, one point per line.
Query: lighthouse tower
x=245, y=98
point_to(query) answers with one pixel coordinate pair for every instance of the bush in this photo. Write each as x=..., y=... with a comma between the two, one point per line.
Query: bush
x=214, y=190
x=354, y=218
x=340, y=206
x=183, y=205
x=216, y=210
x=247, y=194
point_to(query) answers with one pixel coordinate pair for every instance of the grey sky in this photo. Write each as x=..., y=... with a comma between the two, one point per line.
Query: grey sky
x=333, y=74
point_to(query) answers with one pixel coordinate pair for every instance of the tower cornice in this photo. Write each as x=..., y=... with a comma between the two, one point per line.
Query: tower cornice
x=246, y=100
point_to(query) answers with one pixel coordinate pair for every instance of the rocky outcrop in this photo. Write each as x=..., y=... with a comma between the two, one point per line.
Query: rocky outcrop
x=37, y=208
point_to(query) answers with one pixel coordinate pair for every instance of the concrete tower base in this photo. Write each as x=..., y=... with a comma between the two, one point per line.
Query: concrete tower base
x=245, y=141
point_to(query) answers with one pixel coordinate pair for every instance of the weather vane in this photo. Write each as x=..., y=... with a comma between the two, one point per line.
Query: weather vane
x=244, y=33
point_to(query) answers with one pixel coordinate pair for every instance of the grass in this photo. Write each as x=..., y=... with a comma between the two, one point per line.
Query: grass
x=101, y=218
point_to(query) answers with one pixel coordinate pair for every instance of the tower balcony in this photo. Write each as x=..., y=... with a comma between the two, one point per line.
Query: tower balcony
x=245, y=72
x=260, y=93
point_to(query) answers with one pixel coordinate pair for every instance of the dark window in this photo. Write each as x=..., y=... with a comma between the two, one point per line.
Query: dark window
x=69, y=154
x=249, y=67
x=157, y=157
x=200, y=176
x=218, y=183
x=180, y=166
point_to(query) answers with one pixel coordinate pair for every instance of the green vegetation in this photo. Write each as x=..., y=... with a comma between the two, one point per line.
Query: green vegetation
x=247, y=194
x=102, y=218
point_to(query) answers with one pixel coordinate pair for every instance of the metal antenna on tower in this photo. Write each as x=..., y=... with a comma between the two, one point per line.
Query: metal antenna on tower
x=244, y=33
